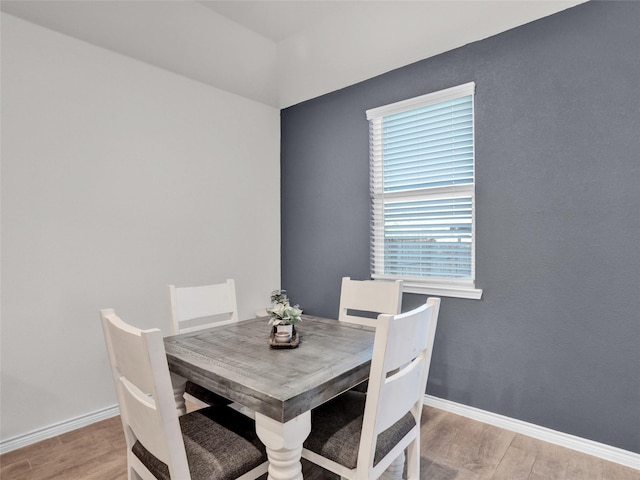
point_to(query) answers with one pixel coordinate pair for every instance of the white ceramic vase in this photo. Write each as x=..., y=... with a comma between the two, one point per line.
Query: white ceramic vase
x=288, y=329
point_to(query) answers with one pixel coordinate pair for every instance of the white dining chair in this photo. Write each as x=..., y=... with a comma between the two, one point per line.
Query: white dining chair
x=214, y=442
x=195, y=308
x=359, y=436
x=361, y=301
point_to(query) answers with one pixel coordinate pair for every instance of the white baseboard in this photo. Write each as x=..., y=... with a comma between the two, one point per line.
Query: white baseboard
x=57, y=429
x=600, y=450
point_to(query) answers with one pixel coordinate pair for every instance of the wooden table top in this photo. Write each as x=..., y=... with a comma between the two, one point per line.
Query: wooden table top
x=237, y=362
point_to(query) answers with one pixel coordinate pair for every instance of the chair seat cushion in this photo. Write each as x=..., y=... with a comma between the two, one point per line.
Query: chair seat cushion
x=220, y=443
x=336, y=427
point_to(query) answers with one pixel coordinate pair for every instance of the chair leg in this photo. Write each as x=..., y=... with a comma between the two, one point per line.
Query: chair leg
x=413, y=460
x=395, y=470
x=133, y=475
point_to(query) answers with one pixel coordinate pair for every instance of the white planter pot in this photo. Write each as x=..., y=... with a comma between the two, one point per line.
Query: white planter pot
x=288, y=329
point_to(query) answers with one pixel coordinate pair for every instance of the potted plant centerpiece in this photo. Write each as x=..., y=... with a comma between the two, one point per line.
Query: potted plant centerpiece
x=282, y=315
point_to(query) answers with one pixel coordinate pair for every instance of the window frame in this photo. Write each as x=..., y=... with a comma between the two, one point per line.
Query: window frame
x=450, y=287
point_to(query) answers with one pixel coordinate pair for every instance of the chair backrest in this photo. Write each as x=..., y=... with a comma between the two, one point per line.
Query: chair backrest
x=372, y=296
x=194, y=308
x=398, y=379
x=145, y=395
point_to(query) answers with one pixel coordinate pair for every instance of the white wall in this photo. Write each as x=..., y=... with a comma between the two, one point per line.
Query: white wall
x=117, y=179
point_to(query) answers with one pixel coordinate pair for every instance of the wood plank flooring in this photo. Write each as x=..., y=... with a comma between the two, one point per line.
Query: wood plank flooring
x=453, y=448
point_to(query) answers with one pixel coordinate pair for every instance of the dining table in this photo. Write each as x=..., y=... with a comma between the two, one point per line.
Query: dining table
x=279, y=385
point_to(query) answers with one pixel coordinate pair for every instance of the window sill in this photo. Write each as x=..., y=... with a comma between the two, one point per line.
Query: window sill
x=457, y=291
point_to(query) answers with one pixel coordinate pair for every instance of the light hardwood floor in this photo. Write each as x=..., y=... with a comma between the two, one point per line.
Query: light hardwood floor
x=453, y=448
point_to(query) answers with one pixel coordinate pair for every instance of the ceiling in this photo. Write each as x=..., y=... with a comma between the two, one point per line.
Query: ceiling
x=278, y=20
x=281, y=52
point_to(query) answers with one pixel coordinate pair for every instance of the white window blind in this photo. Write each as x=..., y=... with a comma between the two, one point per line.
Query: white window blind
x=422, y=190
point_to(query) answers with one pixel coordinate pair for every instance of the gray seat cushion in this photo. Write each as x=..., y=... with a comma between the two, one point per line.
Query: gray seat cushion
x=220, y=443
x=336, y=427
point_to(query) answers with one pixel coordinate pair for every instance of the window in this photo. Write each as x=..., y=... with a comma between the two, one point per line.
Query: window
x=423, y=193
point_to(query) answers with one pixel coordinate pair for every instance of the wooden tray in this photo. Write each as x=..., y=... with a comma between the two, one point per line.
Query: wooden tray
x=293, y=343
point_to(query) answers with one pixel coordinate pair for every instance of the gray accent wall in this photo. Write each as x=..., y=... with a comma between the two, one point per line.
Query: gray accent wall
x=555, y=340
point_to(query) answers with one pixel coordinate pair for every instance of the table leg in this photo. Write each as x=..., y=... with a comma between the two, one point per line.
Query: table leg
x=179, y=383
x=395, y=470
x=284, y=444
